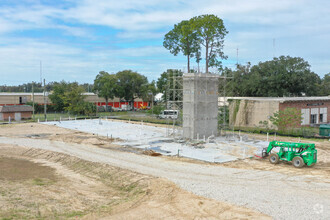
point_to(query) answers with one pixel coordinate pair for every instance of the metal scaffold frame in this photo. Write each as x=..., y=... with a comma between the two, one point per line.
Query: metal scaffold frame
x=174, y=101
x=224, y=126
x=174, y=91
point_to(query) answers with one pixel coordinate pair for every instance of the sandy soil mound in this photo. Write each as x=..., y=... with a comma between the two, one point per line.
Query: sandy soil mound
x=43, y=184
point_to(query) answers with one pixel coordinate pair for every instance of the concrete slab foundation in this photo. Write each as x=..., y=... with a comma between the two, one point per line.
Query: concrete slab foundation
x=222, y=149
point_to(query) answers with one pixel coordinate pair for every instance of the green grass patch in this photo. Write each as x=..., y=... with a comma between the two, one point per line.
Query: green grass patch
x=42, y=182
x=74, y=214
x=305, y=132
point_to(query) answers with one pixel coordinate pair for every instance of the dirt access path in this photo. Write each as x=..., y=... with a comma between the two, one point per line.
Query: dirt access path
x=44, y=184
x=280, y=194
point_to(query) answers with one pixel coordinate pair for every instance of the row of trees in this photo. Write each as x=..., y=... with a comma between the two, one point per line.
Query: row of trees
x=189, y=37
x=26, y=87
x=126, y=85
x=38, y=87
x=282, y=76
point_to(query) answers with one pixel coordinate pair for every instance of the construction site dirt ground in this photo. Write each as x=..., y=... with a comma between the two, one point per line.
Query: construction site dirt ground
x=52, y=172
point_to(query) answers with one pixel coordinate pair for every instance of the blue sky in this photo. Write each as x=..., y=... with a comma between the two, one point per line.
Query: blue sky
x=75, y=39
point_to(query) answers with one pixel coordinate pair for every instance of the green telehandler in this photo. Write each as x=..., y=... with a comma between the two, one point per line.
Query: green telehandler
x=299, y=153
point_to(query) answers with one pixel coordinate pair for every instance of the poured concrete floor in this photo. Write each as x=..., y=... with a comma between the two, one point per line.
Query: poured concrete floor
x=162, y=140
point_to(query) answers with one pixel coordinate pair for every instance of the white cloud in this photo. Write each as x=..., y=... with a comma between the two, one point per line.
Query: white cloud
x=19, y=63
x=300, y=27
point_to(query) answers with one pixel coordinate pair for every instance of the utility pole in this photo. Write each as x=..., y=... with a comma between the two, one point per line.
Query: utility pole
x=224, y=97
x=33, y=98
x=40, y=72
x=45, y=107
x=174, y=94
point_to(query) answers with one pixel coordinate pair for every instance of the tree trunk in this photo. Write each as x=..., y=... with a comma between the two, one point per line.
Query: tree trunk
x=207, y=57
x=188, y=64
x=106, y=104
x=188, y=56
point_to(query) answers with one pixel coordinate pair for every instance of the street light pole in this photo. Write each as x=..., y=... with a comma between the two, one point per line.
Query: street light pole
x=152, y=104
x=45, y=107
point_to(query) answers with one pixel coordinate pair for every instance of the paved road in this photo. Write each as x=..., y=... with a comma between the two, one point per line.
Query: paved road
x=275, y=194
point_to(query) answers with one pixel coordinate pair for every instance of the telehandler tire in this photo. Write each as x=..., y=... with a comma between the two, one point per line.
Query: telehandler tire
x=274, y=159
x=298, y=162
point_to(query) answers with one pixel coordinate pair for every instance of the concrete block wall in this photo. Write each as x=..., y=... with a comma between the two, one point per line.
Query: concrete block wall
x=200, y=105
x=248, y=113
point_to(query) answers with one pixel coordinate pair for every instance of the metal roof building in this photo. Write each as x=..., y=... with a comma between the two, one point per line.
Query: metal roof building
x=250, y=111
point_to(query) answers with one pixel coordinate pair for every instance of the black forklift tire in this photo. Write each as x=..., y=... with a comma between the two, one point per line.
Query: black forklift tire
x=274, y=159
x=298, y=162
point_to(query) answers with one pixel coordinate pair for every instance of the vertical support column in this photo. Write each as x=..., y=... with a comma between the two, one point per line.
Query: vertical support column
x=200, y=105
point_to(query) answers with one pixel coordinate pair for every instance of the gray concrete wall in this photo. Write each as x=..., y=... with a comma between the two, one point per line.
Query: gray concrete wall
x=248, y=113
x=200, y=105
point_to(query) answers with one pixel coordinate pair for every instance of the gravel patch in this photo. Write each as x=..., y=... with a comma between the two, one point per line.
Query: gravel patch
x=278, y=195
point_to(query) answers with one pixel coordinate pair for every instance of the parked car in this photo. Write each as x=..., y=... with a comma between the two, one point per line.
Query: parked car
x=172, y=114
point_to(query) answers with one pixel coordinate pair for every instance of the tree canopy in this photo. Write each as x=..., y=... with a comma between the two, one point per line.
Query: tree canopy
x=211, y=30
x=282, y=76
x=105, y=85
x=183, y=38
x=69, y=97
x=130, y=85
x=57, y=95
x=325, y=85
x=188, y=37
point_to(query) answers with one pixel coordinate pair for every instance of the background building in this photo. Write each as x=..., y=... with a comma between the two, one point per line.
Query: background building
x=250, y=111
x=7, y=98
x=15, y=112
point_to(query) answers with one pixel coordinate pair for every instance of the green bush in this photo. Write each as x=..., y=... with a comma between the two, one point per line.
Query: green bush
x=221, y=118
x=156, y=110
x=83, y=108
x=294, y=132
x=38, y=108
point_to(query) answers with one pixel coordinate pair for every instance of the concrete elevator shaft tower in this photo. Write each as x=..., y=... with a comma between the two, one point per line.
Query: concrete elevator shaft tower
x=200, y=105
